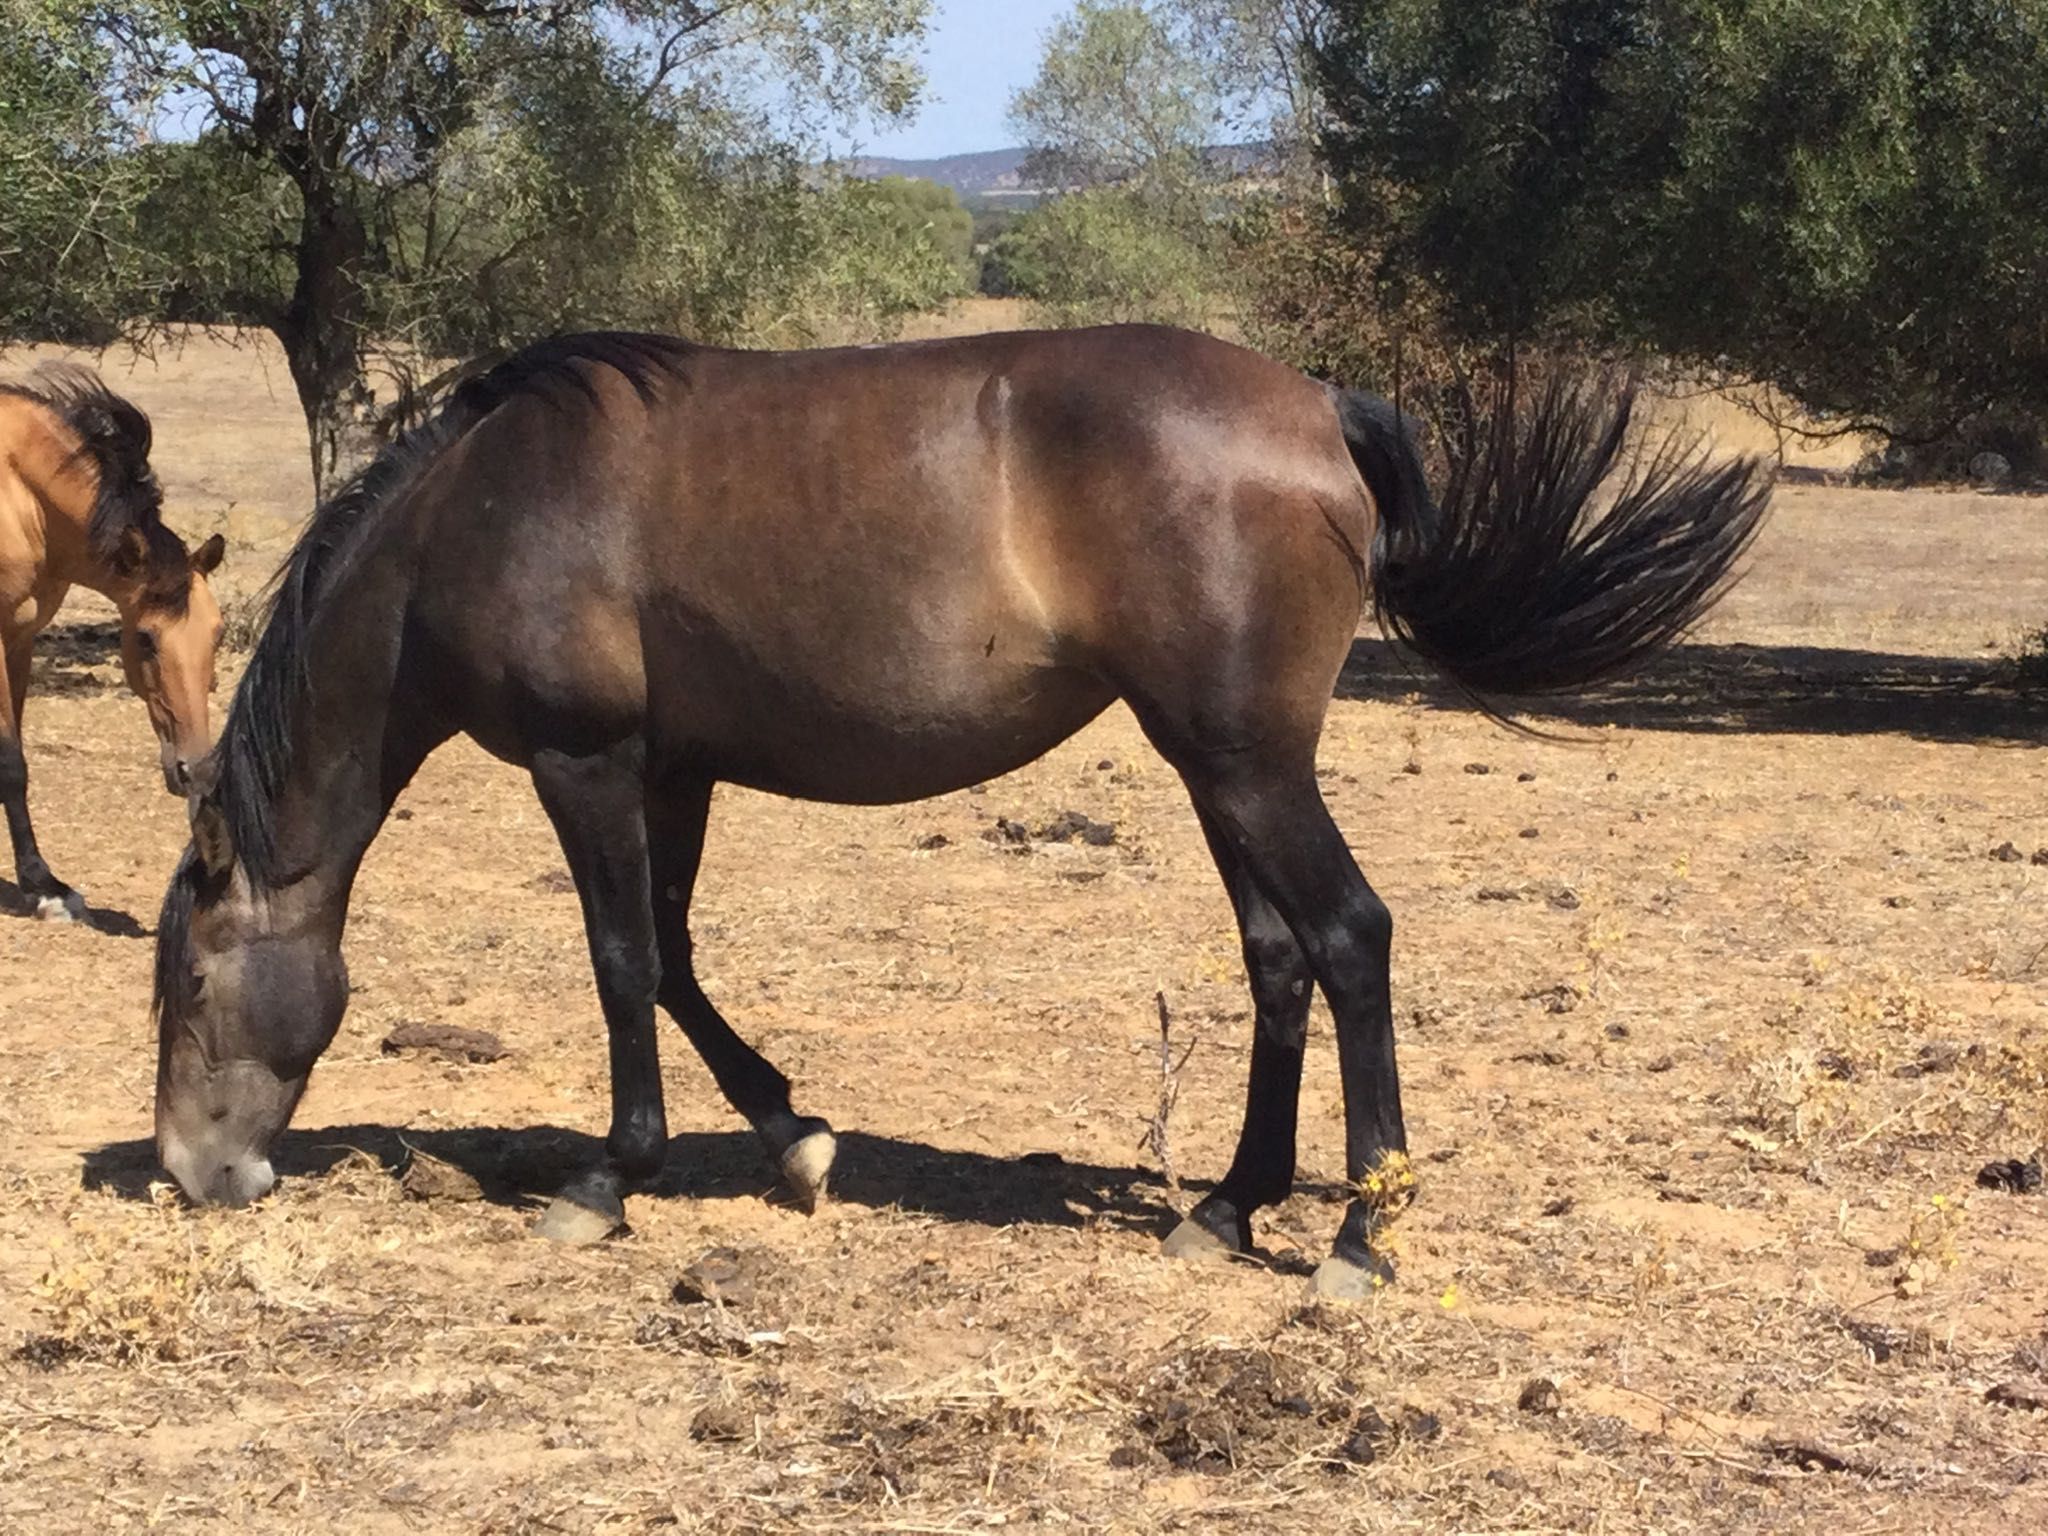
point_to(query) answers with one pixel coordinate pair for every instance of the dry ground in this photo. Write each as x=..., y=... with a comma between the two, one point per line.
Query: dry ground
x=1708, y=1021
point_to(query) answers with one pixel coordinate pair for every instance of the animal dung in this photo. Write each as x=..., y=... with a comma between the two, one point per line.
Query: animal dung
x=450, y=1042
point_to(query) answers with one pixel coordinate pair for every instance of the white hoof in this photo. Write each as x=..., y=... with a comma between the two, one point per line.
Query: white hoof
x=1192, y=1240
x=807, y=1167
x=575, y=1225
x=1340, y=1280
x=60, y=909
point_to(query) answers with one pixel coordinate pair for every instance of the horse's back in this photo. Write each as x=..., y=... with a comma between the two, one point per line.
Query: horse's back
x=927, y=562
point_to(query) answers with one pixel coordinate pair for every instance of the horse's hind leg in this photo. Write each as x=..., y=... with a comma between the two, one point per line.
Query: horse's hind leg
x=46, y=895
x=595, y=804
x=802, y=1145
x=1262, y=1172
x=1266, y=807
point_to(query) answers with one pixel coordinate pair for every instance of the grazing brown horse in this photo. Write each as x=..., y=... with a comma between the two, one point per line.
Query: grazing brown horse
x=79, y=506
x=636, y=567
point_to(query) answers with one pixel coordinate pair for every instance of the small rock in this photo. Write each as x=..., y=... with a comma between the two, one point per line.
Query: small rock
x=1564, y=898
x=1477, y=768
x=1617, y=1030
x=1127, y=1456
x=1539, y=1395
x=450, y=1042
x=1073, y=827
x=2011, y=1395
x=1508, y=1480
x=2040, y=856
x=932, y=841
x=1419, y=1426
x=1835, y=1065
x=402, y=814
x=2005, y=853
x=1990, y=470
x=1105, y=766
x=1560, y=1206
x=722, y=1421
x=2012, y=1175
x=1525, y=777
x=1010, y=836
x=1411, y=766
x=1528, y=832
x=1661, y=1064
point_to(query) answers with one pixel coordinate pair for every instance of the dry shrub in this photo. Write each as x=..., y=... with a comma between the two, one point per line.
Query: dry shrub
x=108, y=1298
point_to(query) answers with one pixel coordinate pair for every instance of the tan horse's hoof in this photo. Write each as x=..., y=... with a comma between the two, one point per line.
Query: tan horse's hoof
x=1192, y=1240
x=1341, y=1280
x=807, y=1167
x=576, y=1225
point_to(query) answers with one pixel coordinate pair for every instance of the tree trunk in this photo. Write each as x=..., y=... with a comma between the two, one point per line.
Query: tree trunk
x=321, y=330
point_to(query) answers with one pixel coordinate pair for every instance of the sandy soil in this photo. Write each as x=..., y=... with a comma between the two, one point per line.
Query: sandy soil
x=1710, y=1017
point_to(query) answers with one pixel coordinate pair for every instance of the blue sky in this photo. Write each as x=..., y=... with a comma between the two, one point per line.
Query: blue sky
x=976, y=53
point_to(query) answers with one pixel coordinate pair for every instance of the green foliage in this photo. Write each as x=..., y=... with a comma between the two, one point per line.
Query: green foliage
x=1839, y=197
x=924, y=212
x=62, y=186
x=1120, y=99
x=379, y=180
x=1110, y=255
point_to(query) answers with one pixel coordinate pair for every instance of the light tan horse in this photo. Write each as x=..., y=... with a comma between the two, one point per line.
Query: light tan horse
x=79, y=506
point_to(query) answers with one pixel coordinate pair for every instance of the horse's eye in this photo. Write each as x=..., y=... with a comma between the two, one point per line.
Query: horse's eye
x=145, y=645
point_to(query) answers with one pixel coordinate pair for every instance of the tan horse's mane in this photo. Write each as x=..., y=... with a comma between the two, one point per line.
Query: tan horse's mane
x=114, y=439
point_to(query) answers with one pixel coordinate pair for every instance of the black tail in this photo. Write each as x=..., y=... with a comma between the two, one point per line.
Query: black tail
x=1512, y=585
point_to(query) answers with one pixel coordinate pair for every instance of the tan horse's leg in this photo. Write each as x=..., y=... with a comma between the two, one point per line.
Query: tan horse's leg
x=46, y=895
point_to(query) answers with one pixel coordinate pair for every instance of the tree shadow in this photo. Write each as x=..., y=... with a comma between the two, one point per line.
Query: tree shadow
x=67, y=656
x=522, y=1167
x=111, y=921
x=1729, y=688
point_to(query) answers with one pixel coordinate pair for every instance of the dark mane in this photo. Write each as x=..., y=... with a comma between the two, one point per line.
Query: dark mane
x=253, y=756
x=114, y=437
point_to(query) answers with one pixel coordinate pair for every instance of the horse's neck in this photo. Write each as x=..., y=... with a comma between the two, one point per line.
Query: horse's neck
x=53, y=502
x=359, y=733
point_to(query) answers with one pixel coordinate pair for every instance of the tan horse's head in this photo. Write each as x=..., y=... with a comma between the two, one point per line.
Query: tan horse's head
x=170, y=629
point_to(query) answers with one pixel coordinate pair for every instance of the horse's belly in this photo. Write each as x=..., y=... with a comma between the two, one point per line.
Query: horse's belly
x=893, y=749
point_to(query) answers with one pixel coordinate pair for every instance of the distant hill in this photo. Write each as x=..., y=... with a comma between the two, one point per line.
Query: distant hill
x=992, y=173
x=999, y=173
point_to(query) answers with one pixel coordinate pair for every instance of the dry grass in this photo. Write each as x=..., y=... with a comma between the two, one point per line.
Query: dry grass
x=1686, y=1073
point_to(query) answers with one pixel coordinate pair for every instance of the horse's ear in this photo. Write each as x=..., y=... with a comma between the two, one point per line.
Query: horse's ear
x=206, y=558
x=131, y=552
x=210, y=836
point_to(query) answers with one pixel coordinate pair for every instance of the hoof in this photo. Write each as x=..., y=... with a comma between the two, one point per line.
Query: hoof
x=1192, y=1240
x=807, y=1166
x=68, y=908
x=1341, y=1280
x=579, y=1220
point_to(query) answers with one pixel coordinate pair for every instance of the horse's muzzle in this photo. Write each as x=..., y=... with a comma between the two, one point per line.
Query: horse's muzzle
x=238, y=1185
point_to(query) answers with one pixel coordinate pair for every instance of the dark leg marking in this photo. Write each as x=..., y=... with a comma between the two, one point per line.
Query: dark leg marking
x=595, y=804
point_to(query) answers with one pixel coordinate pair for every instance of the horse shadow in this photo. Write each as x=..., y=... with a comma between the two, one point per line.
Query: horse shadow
x=111, y=921
x=1757, y=689
x=522, y=1167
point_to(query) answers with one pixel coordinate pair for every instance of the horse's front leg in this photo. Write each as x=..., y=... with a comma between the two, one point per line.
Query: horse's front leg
x=597, y=807
x=46, y=895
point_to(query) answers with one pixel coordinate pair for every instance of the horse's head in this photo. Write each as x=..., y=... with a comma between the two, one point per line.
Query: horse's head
x=170, y=628
x=250, y=989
